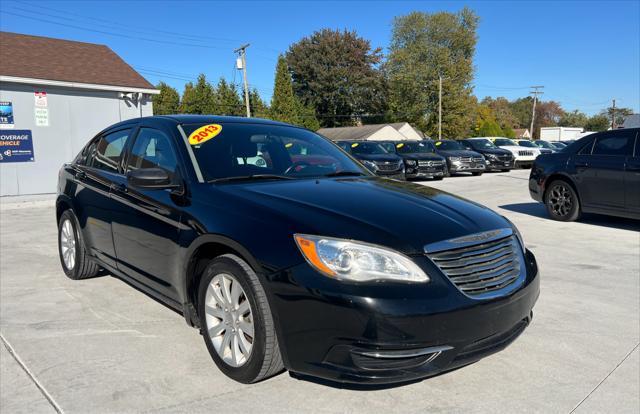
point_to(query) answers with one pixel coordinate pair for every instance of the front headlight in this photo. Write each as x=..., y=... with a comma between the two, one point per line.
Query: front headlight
x=370, y=165
x=454, y=159
x=410, y=162
x=357, y=261
x=517, y=233
x=491, y=156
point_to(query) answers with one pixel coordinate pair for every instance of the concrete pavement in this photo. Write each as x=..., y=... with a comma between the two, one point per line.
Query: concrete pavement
x=101, y=346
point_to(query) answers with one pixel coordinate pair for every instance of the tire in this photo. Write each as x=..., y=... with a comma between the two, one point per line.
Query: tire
x=77, y=264
x=476, y=174
x=562, y=201
x=255, y=357
x=439, y=178
x=505, y=170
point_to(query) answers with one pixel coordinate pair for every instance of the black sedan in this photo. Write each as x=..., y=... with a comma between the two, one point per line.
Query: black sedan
x=459, y=159
x=376, y=158
x=286, y=253
x=496, y=159
x=599, y=173
x=420, y=158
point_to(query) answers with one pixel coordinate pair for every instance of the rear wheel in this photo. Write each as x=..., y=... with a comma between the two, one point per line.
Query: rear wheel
x=236, y=320
x=505, y=170
x=73, y=253
x=477, y=174
x=562, y=201
x=438, y=178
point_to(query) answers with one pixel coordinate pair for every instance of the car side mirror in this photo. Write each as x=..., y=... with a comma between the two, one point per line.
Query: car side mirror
x=151, y=178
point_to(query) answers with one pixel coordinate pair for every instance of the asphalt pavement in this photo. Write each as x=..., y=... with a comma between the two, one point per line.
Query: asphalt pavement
x=100, y=346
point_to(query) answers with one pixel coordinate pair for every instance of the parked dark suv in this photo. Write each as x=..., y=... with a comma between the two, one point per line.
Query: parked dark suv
x=375, y=157
x=496, y=159
x=459, y=159
x=420, y=158
x=599, y=173
x=286, y=253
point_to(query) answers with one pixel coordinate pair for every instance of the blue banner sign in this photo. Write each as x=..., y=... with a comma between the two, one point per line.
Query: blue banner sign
x=16, y=146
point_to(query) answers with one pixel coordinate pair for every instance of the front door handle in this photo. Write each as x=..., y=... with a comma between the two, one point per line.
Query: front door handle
x=581, y=164
x=119, y=188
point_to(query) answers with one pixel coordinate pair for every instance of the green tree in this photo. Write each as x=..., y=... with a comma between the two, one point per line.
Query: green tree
x=423, y=47
x=597, y=123
x=307, y=117
x=227, y=101
x=501, y=108
x=337, y=73
x=167, y=101
x=490, y=128
x=508, y=132
x=284, y=105
x=573, y=119
x=259, y=108
x=621, y=113
x=198, y=98
x=521, y=110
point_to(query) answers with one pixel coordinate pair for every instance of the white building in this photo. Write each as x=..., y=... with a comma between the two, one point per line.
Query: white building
x=55, y=95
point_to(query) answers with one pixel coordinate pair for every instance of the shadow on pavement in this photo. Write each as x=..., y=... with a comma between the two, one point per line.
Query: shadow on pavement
x=538, y=210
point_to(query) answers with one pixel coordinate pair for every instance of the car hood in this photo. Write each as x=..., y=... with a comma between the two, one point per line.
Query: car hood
x=496, y=151
x=377, y=157
x=458, y=153
x=422, y=156
x=401, y=215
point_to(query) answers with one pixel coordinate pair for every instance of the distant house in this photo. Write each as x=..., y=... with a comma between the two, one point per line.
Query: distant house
x=522, y=133
x=398, y=131
x=631, y=121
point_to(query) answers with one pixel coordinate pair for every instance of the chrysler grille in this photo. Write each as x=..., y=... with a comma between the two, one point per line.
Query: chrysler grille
x=486, y=265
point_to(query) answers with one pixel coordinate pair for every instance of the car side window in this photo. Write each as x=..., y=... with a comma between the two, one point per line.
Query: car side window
x=152, y=149
x=616, y=143
x=105, y=153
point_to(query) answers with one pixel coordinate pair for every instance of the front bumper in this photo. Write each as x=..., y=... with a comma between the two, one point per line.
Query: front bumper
x=425, y=172
x=461, y=166
x=386, y=333
x=499, y=165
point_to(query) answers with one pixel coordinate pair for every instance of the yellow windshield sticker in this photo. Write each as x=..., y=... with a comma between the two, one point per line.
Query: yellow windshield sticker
x=205, y=133
x=400, y=145
x=438, y=143
x=355, y=144
x=289, y=145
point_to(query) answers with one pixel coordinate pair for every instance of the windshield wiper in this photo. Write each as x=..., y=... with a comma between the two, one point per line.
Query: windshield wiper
x=251, y=177
x=345, y=174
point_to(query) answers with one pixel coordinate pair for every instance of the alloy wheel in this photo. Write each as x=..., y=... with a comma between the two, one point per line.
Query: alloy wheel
x=229, y=319
x=560, y=200
x=68, y=244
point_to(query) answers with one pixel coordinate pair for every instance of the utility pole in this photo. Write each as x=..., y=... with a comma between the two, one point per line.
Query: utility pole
x=613, y=115
x=440, y=107
x=535, y=92
x=242, y=52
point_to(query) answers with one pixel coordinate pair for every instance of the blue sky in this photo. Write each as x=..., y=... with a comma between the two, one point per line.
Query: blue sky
x=585, y=53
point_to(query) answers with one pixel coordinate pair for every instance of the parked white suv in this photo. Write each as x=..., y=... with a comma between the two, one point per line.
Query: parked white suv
x=524, y=156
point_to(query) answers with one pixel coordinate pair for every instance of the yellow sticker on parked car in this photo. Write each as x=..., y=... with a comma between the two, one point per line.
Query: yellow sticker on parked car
x=355, y=144
x=288, y=145
x=438, y=143
x=400, y=145
x=204, y=133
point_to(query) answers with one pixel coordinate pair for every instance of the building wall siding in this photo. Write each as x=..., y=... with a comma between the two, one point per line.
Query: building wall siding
x=75, y=116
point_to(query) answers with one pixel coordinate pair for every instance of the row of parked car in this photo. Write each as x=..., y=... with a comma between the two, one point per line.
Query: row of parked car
x=438, y=159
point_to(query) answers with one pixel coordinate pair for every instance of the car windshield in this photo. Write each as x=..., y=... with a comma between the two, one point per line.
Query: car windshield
x=244, y=150
x=367, y=148
x=526, y=143
x=416, y=147
x=544, y=144
x=504, y=142
x=449, y=145
x=481, y=143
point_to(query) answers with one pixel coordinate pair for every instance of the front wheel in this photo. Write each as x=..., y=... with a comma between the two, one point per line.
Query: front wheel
x=505, y=170
x=236, y=321
x=73, y=253
x=562, y=201
x=476, y=174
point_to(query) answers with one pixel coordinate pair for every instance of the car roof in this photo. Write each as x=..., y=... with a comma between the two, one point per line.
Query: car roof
x=196, y=119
